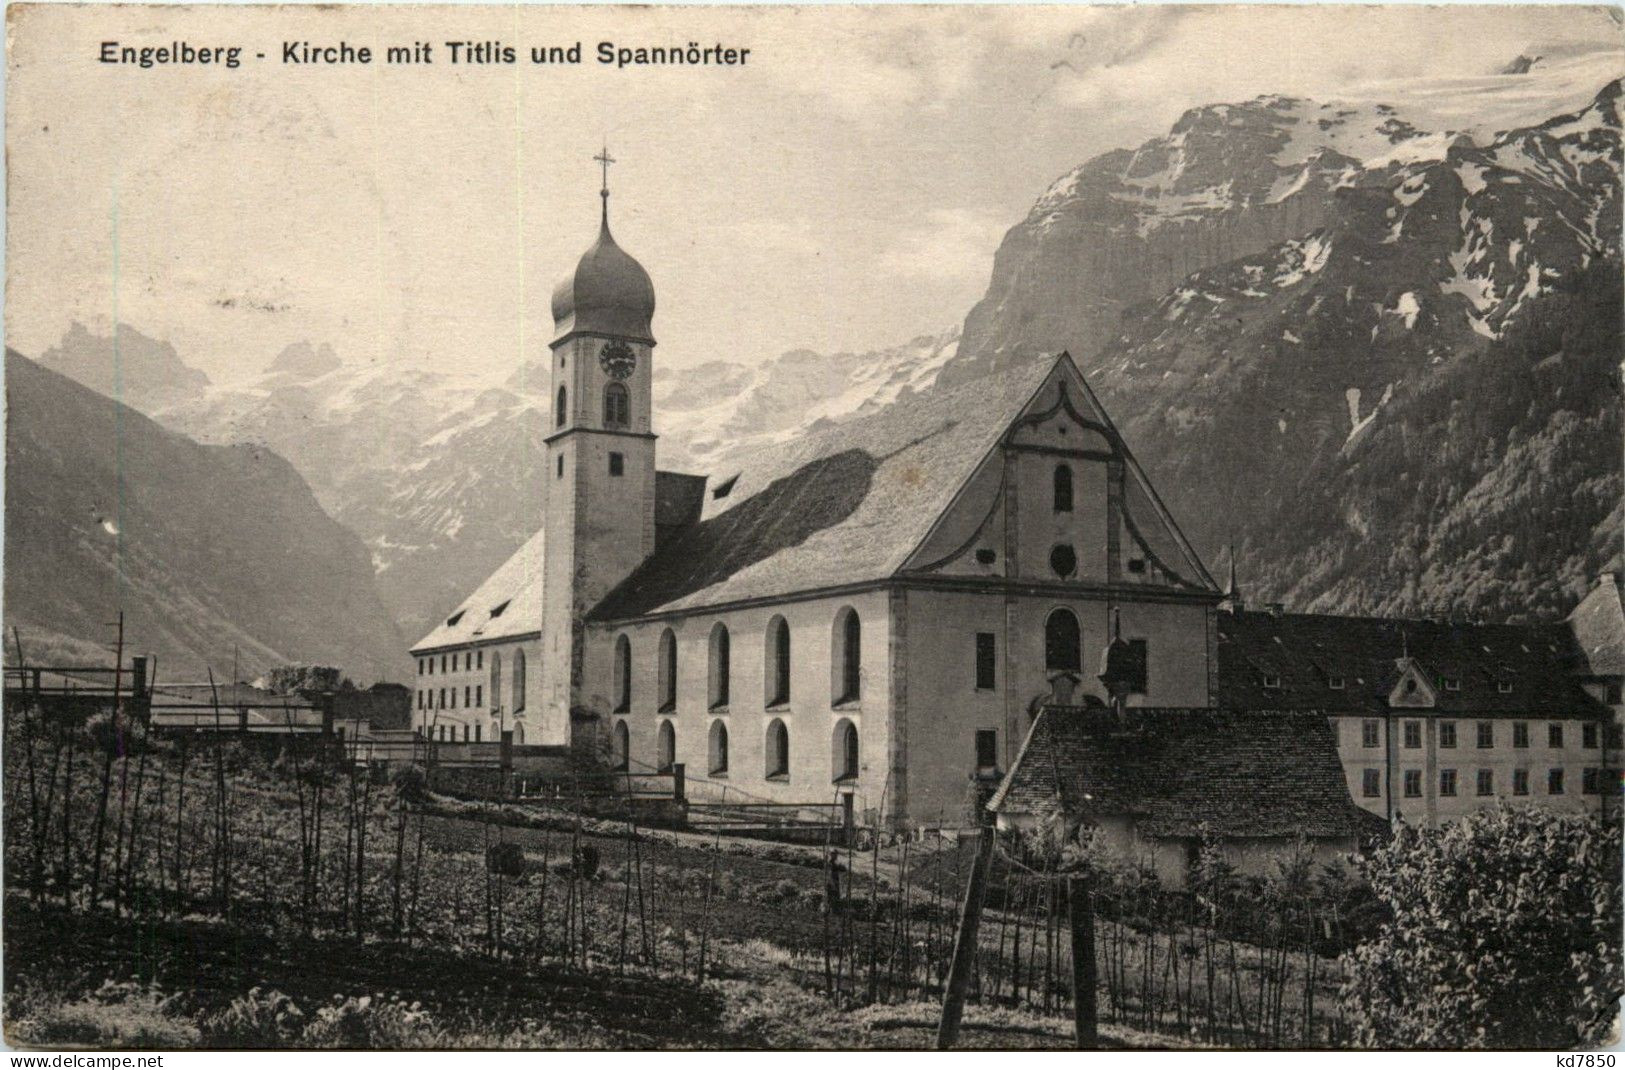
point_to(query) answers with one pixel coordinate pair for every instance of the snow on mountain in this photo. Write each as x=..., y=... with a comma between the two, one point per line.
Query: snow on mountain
x=438, y=472
x=1280, y=287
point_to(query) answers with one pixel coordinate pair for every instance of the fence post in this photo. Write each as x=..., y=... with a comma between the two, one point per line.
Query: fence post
x=964, y=960
x=1081, y=903
x=847, y=819
x=505, y=773
x=138, y=682
x=677, y=794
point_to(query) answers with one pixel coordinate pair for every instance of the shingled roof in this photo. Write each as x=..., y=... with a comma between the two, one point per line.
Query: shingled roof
x=1252, y=774
x=1308, y=652
x=843, y=506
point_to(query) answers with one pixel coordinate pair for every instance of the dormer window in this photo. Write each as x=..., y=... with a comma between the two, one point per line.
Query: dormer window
x=497, y=612
x=1335, y=683
x=1504, y=687
x=721, y=490
x=1272, y=683
x=1452, y=683
x=451, y=621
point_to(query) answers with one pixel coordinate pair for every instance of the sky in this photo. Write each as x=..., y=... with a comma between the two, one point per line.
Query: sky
x=846, y=188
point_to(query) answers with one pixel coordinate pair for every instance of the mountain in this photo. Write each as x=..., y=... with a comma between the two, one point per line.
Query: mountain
x=212, y=552
x=142, y=372
x=1289, y=305
x=1276, y=301
x=437, y=472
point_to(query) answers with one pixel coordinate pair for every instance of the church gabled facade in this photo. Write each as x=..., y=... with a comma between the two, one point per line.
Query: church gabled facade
x=876, y=610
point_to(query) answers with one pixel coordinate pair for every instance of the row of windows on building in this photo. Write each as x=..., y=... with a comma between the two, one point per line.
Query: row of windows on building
x=1591, y=782
x=846, y=676
x=1063, y=652
x=844, y=764
x=1334, y=682
x=1411, y=734
x=465, y=661
x=445, y=698
x=775, y=750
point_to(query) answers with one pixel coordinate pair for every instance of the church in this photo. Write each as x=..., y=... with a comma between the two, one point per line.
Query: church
x=874, y=615
x=875, y=611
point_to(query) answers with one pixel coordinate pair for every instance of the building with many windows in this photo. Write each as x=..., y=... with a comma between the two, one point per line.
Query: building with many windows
x=1435, y=719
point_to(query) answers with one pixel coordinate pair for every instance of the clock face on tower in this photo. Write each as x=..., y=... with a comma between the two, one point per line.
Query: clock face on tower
x=617, y=360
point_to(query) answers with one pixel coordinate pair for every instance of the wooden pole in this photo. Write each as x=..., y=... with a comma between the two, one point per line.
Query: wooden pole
x=970, y=920
x=1081, y=903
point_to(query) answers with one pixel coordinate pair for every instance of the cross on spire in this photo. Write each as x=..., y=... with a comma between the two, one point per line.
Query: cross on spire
x=605, y=159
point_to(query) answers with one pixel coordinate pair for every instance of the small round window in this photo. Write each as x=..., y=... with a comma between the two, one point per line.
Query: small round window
x=1063, y=560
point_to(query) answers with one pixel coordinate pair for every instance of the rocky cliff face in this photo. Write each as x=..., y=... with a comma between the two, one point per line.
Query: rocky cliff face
x=141, y=372
x=1346, y=264
x=215, y=553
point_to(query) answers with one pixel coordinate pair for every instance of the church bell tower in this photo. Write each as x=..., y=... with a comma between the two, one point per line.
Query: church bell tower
x=600, y=471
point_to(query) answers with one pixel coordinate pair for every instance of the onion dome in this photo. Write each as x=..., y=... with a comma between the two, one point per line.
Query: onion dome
x=609, y=293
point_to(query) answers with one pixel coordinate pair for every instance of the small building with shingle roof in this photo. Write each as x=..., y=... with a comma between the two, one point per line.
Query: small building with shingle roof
x=1153, y=782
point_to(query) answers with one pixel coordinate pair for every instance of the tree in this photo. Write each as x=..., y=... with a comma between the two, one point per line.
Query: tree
x=1505, y=934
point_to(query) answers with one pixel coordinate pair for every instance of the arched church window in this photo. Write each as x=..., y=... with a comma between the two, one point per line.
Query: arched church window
x=847, y=657
x=1063, y=642
x=623, y=674
x=623, y=746
x=617, y=406
x=718, y=748
x=668, y=671
x=518, y=681
x=778, y=662
x=1063, y=489
x=778, y=750
x=667, y=747
x=844, y=751
x=719, y=665
x=562, y=410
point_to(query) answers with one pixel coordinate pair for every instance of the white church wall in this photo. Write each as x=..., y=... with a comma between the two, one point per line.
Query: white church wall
x=945, y=709
x=810, y=716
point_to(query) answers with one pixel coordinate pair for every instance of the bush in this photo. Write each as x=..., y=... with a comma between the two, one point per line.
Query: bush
x=505, y=858
x=586, y=861
x=365, y=1022
x=1505, y=934
x=264, y=1018
x=117, y=1015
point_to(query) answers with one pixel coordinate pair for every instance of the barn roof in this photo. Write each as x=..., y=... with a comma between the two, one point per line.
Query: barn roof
x=847, y=505
x=1308, y=652
x=1251, y=774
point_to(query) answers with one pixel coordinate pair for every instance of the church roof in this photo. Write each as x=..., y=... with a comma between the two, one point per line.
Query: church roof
x=1254, y=773
x=608, y=293
x=847, y=505
x=1307, y=651
x=506, y=605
